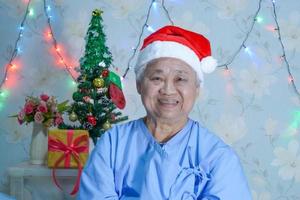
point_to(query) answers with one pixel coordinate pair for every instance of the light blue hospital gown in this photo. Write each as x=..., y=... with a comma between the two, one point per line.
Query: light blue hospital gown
x=128, y=163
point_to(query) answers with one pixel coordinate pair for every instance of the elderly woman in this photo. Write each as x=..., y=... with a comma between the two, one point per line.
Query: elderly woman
x=166, y=155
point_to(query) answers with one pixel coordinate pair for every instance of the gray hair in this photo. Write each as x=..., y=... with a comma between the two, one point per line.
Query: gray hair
x=140, y=72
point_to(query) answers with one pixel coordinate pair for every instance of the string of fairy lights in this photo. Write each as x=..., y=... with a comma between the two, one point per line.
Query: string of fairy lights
x=243, y=45
x=51, y=37
x=11, y=65
x=149, y=28
x=287, y=64
x=256, y=19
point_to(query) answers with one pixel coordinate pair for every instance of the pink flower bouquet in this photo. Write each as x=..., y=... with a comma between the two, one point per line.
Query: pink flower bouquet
x=43, y=110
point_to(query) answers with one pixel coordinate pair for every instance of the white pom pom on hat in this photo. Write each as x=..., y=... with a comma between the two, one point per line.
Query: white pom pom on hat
x=175, y=42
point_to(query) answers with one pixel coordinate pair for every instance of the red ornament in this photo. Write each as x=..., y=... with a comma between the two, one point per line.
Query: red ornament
x=87, y=99
x=105, y=73
x=92, y=120
x=117, y=96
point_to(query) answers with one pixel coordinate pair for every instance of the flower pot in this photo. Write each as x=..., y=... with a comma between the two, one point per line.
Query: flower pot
x=39, y=144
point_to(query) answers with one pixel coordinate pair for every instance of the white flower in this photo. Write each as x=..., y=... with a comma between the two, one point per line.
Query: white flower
x=231, y=129
x=188, y=21
x=270, y=126
x=290, y=31
x=229, y=8
x=261, y=196
x=253, y=81
x=288, y=161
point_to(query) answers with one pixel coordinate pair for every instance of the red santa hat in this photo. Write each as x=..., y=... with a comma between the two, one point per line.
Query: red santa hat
x=176, y=42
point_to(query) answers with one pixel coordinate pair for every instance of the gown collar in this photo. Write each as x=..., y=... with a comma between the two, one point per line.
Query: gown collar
x=175, y=140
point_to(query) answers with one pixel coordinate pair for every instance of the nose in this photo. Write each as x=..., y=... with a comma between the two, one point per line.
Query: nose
x=168, y=87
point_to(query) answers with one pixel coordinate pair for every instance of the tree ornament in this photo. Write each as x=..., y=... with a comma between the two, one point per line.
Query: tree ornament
x=97, y=12
x=73, y=117
x=101, y=90
x=92, y=120
x=115, y=79
x=98, y=82
x=87, y=99
x=106, y=125
x=117, y=96
x=105, y=101
x=102, y=64
x=87, y=126
x=105, y=73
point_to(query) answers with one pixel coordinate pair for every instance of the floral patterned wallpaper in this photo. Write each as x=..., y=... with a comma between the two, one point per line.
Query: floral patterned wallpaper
x=252, y=107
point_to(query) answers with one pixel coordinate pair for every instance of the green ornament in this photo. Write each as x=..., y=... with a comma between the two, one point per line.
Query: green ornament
x=73, y=117
x=106, y=125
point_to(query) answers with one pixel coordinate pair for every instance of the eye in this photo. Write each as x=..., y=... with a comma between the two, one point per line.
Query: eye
x=156, y=78
x=181, y=79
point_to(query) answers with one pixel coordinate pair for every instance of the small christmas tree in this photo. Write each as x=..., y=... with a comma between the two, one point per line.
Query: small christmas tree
x=99, y=90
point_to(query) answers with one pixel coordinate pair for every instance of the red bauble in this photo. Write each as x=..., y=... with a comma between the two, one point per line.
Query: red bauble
x=91, y=119
x=105, y=73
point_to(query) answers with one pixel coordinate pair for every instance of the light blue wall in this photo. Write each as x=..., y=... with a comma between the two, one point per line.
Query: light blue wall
x=254, y=109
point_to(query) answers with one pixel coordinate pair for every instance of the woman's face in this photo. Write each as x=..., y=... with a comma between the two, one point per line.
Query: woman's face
x=168, y=89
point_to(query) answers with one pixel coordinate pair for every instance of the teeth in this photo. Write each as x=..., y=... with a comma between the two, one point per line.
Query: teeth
x=168, y=101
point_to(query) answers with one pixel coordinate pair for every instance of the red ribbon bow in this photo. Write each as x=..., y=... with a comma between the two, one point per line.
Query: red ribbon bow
x=69, y=149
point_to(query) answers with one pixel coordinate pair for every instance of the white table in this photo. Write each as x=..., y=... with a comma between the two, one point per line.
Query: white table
x=20, y=173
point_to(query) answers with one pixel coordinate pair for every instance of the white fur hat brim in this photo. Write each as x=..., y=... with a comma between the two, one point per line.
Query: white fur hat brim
x=160, y=49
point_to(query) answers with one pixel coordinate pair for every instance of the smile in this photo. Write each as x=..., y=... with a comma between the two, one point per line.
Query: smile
x=168, y=102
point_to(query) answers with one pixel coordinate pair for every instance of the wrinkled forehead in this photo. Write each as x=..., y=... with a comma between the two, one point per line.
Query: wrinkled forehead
x=168, y=65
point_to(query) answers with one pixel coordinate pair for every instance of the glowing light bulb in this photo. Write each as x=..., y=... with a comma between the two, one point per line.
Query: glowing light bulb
x=31, y=12
x=149, y=28
x=259, y=19
x=226, y=72
x=4, y=93
x=13, y=66
x=154, y=4
x=290, y=79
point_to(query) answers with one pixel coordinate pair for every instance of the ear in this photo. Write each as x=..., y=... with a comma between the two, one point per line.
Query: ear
x=138, y=86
